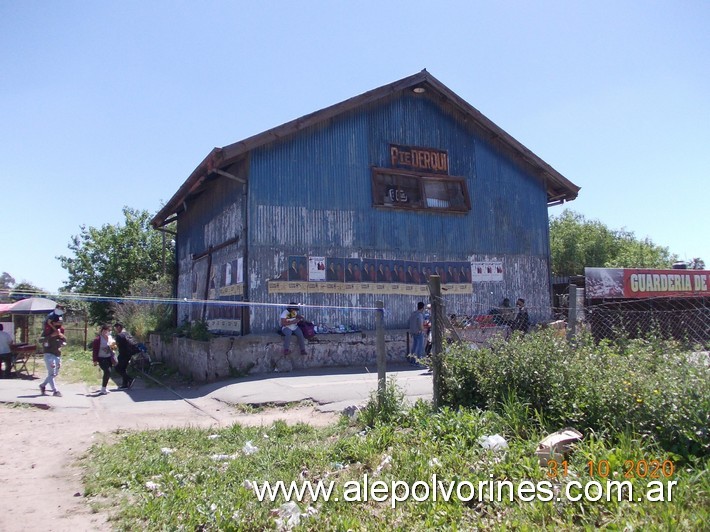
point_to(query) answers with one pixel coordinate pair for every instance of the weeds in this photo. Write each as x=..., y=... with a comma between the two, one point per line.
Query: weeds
x=385, y=407
x=77, y=366
x=194, y=479
x=637, y=401
x=646, y=386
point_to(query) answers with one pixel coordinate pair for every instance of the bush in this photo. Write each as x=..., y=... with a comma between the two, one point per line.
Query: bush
x=141, y=316
x=386, y=409
x=646, y=386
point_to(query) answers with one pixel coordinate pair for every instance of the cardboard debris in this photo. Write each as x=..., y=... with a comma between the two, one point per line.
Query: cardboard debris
x=556, y=445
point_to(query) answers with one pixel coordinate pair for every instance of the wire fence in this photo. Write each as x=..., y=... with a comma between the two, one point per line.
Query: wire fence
x=686, y=320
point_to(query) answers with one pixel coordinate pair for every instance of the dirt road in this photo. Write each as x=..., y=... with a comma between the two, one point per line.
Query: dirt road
x=40, y=480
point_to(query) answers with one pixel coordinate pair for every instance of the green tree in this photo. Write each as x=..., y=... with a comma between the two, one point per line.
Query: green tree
x=107, y=261
x=143, y=314
x=576, y=243
x=634, y=253
x=25, y=289
x=696, y=263
x=7, y=281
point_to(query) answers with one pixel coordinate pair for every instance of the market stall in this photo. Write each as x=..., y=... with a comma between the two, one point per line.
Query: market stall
x=22, y=315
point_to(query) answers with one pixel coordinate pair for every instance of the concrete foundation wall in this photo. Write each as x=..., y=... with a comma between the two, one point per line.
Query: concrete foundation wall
x=224, y=357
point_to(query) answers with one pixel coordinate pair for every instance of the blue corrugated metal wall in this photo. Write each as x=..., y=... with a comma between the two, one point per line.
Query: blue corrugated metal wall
x=311, y=194
x=329, y=169
x=213, y=218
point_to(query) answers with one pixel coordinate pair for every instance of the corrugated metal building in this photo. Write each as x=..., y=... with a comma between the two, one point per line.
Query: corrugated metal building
x=359, y=202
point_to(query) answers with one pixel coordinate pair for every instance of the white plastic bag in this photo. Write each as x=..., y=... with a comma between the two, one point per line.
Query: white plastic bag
x=494, y=443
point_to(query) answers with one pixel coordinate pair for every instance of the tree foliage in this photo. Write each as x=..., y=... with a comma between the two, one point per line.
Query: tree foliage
x=6, y=281
x=696, y=263
x=106, y=261
x=25, y=289
x=141, y=316
x=576, y=243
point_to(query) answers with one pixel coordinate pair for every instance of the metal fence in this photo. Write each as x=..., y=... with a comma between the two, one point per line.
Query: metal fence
x=683, y=319
x=28, y=329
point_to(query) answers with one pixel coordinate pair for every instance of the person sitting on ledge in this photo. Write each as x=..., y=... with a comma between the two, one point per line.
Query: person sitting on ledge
x=289, y=326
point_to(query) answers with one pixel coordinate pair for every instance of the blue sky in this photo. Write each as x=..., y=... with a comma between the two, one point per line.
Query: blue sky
x=106, y=104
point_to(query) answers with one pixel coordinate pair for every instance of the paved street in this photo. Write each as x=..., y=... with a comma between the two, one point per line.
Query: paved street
x=329, y=389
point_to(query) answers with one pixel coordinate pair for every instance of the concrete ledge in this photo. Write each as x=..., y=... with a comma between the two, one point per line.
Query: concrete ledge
x=230, y=356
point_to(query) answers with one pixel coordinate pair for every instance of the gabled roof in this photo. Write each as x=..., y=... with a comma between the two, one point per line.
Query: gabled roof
x=559, y=188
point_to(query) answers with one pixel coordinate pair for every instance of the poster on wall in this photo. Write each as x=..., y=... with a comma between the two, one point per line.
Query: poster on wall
x=231, y=279
x=297, y=269
x=384, y=271
x=233, y=272
x=227, y=274
x=334, y=270
x=316, y=268
x=487, y=271
x=240, y=270
x=355, y=275
x=353, y=270
x=413, y=275
x=369, y=271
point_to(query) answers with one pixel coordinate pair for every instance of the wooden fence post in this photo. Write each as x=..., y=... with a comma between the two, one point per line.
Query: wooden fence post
x=572, y=313
x=381, y=352
x=437, y=336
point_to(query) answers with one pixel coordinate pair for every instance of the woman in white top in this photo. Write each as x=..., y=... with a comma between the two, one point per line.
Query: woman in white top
x=103, y=353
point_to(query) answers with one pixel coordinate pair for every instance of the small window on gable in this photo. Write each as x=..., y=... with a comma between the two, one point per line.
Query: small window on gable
x=406, y=190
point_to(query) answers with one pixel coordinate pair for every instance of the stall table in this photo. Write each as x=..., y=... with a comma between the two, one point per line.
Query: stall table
x=21, y=355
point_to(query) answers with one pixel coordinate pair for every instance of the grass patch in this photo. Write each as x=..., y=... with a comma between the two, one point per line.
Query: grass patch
x=19, y=406
x=77, y=366
x=167, y=375
x=194, y=479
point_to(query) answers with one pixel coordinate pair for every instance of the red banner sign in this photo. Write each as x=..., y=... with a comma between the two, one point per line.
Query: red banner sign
x=637, y=283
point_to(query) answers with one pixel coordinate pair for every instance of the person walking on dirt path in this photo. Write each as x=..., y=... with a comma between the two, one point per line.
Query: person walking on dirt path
x=103, y=354
x=127, y=347
x=52, y=344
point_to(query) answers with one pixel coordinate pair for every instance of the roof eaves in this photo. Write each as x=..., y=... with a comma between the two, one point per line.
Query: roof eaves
x=220, y=157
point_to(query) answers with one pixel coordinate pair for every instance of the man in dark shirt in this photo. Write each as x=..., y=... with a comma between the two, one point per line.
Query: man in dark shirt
x=127, y=347
x=522, y=320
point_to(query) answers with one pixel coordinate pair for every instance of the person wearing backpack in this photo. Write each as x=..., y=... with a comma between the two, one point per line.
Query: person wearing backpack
x=127, y=347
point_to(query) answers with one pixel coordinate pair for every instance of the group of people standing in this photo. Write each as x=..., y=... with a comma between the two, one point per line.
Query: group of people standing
x=104, y=348
x=420, y=331
x=420, y=325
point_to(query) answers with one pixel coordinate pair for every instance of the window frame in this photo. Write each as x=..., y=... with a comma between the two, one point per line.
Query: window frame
x=422, y=179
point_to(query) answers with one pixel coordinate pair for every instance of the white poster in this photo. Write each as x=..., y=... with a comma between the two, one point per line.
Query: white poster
x=240, y=270
x=487, y=271
x=316, y=268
